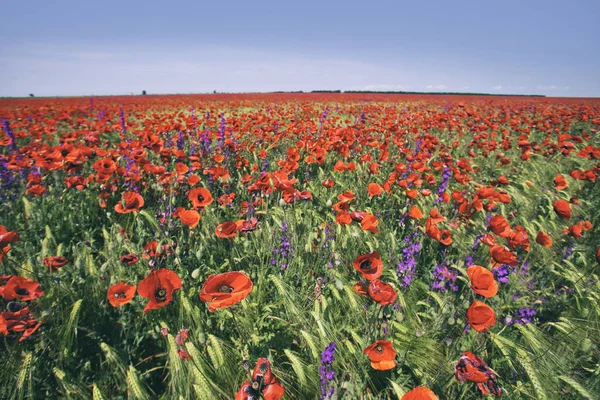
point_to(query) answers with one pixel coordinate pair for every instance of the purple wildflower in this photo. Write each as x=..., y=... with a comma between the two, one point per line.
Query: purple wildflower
x=406, y=267
x=122, y=119
x=444, y=278
x=501, y=273
x=327, y=372
x=446, y=175
x=284, y=253
x=180, y=140
x=522, y=317
x=10, y=134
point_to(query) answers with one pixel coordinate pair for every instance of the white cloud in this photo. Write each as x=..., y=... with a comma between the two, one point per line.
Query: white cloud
x=497, y=87
x=436, y=87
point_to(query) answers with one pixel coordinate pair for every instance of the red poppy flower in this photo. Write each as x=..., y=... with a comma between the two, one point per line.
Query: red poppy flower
x=23, y=289
x=489, y=240
x=346, y=197
x=200, y=197
x=500, y=226
x=562, y=209
x=415, y=213
x=361, y=288
x=189, y=218
x=445, y=237
x=435, y=217
x=158, y=288
x=3, y=281
x=19, y=321
x=53, y=263
x=502, y=256
x=420, y=393
x=482, y=281
x=480, y=316
x=328, y=183
x=543, y=239
x=560, y=182
x=369, y=223
x=225, y=290
x=150, y=249
x=374, y=189
x=129, y=259
x=598, y=256
x=472, y=368
x=120, y=294
x=227, y=229
x=7, y=237
x=381, y=292
x=369, y=265
x=382, y=355
x=131, y=202
x=263, y=382
x=519, y=237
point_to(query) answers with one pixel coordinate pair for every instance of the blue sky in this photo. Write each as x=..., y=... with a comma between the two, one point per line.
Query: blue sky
x=119, y=47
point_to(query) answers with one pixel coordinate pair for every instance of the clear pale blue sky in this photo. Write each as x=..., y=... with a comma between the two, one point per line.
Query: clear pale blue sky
x=82, y=47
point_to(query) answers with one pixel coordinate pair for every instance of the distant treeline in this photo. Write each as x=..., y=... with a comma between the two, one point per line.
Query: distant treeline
x=403, y=92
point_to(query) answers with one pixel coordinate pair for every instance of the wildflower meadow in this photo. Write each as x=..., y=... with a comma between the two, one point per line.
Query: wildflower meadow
x=300, y=246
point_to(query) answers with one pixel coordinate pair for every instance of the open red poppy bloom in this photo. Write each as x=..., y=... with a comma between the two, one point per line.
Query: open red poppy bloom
x=369, y=223
x=382, y=355
x=381, y=292
x=19, y=321
x=131, y=202
x=189, y=218
x=543, y=239
x=228, y=229
x=481, y=316
x=503, y=256
x=369, y=265
x=120, y=294
x=200, y=197
x=562, y=209
x=374, y=189
x=500, y=226
x=263, y=382
x=225, y=290
x=472, y=368
x=420, y=393
x=53, y=263
x=415, y=213
x=560, y=182
x=482, y=281
x=7, y=237
x=23, y=289
x=158, y=288
x=445, y=237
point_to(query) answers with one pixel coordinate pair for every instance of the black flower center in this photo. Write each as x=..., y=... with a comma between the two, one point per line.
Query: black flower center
x=225, y=289
x=160, y=294
x=379, y=348
x=263, y=367
x=22, y=291
x=365, y=265
x=120, y=295
x=255, y=385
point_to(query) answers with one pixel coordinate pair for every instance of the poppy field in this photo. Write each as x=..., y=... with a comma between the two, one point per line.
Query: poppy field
x=300, y=246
